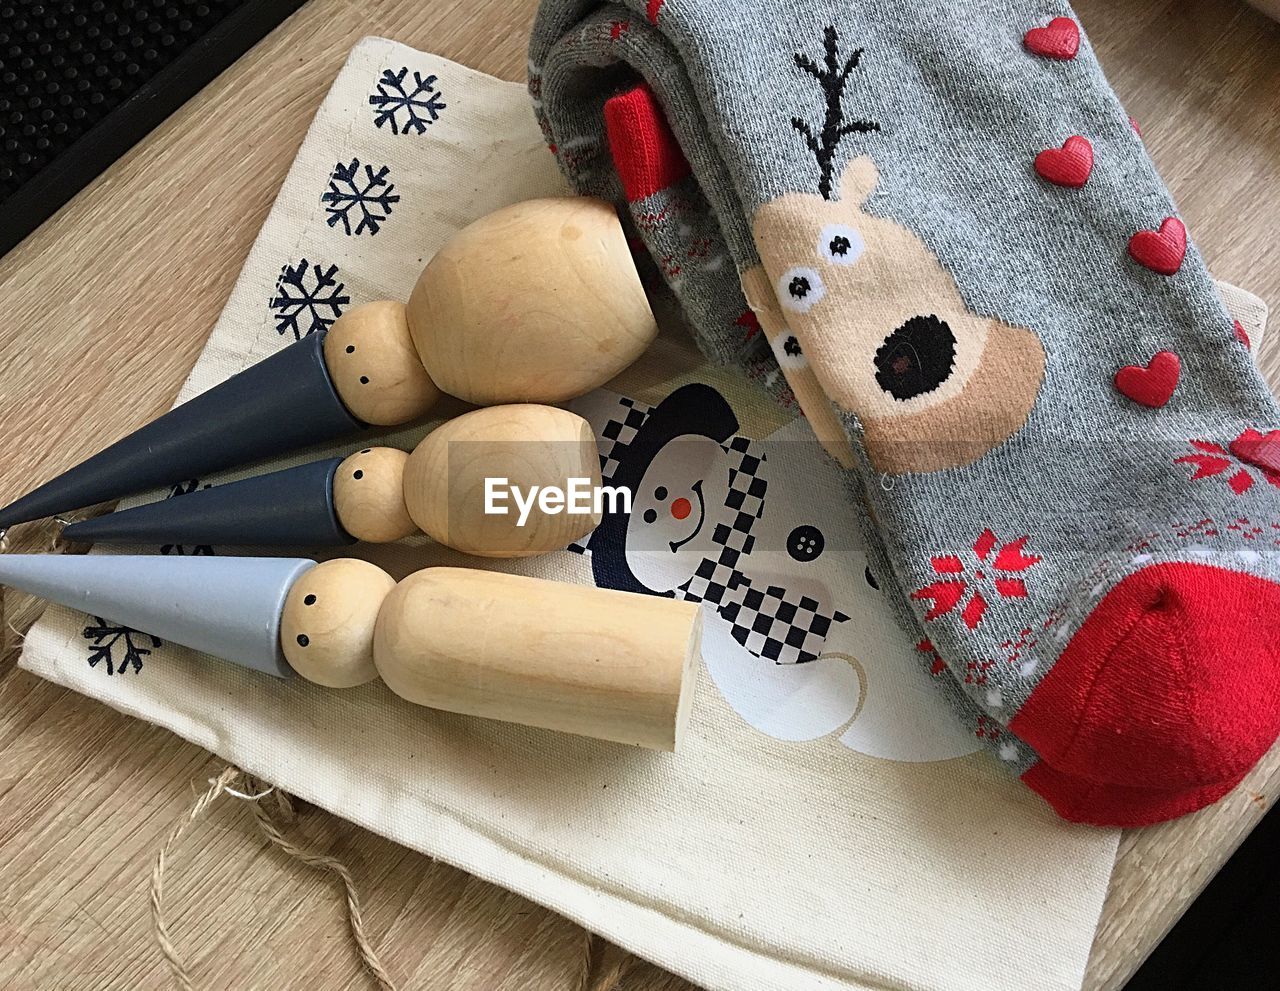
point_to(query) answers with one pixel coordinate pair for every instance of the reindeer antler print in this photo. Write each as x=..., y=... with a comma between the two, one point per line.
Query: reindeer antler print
x=832, y=77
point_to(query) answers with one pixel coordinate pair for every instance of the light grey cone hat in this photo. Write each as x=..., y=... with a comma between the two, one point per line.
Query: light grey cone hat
x=225, y=606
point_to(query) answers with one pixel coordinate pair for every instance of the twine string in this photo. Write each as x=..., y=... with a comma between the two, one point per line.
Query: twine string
x=161, y=925
x=270, y=805
x=255, y=794
x=614, y=974
x=324, y=862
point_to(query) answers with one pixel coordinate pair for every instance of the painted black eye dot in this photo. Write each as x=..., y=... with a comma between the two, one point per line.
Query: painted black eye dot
x=660, y=493
x=871, y=579
x=799, y=287
x=364, y=379
x=351, y=349
x=310, y=600
x=791, y=348
x=650, y=516
x=839, y=246
x=303, y=640
x=367, y=450
x=805, y=543
x=916, y=358
x=357, y=474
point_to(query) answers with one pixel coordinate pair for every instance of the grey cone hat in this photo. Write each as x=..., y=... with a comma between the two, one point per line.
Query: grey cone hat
x=283, y=402
x=289, y=508
x=226, y=606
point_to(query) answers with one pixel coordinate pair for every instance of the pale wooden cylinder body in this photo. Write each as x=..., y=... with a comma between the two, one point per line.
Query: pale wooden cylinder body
x=574, y=658
x=368, y=495
x=375, y=367
x=326, y=629
x=528, y=445
x=537, y=302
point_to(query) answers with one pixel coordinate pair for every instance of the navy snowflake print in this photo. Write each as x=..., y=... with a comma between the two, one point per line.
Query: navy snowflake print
x=118, y=647
x=358, y=193
x=308, y=298
x=195, y=550
x=407, y=108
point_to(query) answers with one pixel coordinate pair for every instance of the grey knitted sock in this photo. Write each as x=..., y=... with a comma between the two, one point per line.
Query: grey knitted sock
x=945, y=212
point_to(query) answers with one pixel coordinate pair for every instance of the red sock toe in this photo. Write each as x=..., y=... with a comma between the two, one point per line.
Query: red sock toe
x=1119, y=806
x=645, y=152
x=1172, y=682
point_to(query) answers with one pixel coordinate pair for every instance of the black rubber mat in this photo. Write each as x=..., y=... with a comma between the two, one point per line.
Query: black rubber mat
x=81, y=81
x=1227, y=939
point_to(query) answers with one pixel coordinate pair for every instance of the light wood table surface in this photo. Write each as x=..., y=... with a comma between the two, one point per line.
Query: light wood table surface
x=109, y=305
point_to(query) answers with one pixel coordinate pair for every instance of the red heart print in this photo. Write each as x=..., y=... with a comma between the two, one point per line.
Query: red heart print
x=1242, y=335
x=1256, y=448
x=1060, y=39
x=1070, y=166
x=1161, y=251
x=1153, y=385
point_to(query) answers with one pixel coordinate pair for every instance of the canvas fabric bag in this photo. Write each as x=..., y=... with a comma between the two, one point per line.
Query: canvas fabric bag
x=830, y=824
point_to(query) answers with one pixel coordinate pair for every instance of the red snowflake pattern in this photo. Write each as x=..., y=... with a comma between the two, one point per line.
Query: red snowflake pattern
x=1056, y=615
x=994, y=571
x=1244, y=528
x=987, y=729
x=1251, y=450
x=1025, y=641
x=1200, y=528
x=938, y=665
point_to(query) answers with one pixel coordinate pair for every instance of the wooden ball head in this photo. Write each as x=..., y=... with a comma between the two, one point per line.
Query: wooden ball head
x=538, y=302
x=573, y=658
x=375, y=367
x=326, y=629
x=368, y=495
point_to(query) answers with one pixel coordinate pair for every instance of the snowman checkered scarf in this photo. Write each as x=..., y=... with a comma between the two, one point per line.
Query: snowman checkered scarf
x=767, y=620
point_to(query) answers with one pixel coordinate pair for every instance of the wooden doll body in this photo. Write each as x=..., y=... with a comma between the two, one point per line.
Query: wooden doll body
x=574, y=658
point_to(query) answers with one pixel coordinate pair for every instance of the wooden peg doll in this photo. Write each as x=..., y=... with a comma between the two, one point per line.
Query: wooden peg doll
x=574, y=658
x=381, y=494
x=538, y=302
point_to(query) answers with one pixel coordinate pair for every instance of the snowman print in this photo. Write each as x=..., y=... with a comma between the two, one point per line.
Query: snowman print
x=796, y=639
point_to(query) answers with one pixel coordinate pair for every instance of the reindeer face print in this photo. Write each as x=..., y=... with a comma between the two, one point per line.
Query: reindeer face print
x=886, y=332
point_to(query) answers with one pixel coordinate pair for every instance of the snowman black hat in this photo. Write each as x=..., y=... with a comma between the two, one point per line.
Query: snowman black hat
x=693, y=410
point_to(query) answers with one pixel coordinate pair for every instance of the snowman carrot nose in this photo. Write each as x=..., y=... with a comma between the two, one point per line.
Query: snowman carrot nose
x=681, y=508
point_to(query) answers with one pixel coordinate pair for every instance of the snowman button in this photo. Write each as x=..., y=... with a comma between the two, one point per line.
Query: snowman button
x=805, y=542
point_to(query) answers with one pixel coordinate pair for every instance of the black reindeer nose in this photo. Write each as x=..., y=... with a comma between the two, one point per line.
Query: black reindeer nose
x=916, y=358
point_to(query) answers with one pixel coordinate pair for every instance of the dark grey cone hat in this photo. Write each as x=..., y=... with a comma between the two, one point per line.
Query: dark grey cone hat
x=284, y=402
x=225, y=606
x=289, y=508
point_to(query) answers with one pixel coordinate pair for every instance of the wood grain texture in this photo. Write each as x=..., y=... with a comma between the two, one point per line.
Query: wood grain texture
x=110, y=303
x=537, y=302
x=573, y=658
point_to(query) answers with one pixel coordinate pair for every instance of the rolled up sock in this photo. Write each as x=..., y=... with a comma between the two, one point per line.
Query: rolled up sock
x=1051, y=415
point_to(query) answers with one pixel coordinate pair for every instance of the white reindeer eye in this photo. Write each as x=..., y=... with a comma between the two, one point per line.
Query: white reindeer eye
x=799, y=288
x=788, y=352
x=840, y=244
